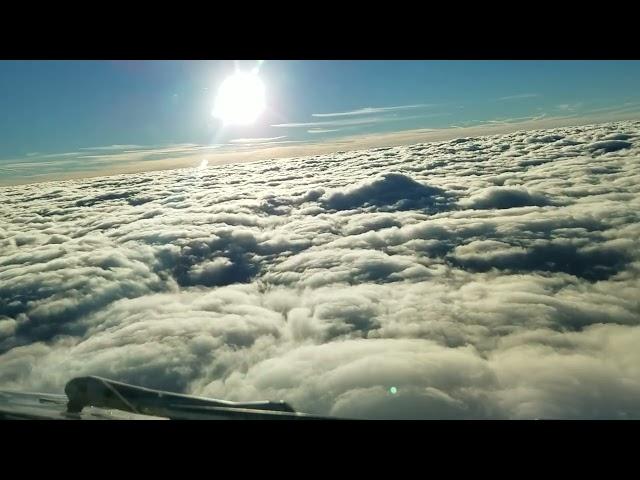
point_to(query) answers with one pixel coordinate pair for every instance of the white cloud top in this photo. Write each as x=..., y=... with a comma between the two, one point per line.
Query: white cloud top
x=487, y=277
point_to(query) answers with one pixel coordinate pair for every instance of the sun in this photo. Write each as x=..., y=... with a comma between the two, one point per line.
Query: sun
x=240, y=99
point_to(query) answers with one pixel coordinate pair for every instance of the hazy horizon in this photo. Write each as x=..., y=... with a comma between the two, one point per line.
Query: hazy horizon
x=75, y=119
x=192, y=156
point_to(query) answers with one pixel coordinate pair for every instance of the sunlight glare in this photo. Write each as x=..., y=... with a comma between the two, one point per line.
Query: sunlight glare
x=240, y=99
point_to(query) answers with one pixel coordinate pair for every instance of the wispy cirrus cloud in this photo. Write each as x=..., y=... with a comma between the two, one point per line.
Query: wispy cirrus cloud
x=324, y=130
x=500, y=121
x=114, y=147
x=370, y=110
x=257, y=140
x=516, y=119
x=569, y=107
x=621, y=108
x=356, y=121
x=519, y=96
x=334, y=123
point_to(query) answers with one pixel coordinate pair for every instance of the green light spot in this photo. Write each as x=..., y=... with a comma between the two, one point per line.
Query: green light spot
x=393, y=390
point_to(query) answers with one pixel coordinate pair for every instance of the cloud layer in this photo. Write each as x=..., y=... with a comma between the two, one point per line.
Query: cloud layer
x=486, y=277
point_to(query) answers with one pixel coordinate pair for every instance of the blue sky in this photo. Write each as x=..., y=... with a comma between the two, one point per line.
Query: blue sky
x=54, y=112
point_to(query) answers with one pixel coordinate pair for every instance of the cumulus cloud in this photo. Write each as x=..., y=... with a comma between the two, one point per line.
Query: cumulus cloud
x=481, y=277
x=505, y=197
x=393, y=191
